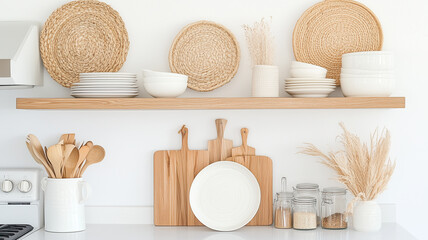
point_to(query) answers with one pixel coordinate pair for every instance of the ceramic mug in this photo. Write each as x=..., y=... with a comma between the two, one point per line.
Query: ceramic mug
x=64, y=204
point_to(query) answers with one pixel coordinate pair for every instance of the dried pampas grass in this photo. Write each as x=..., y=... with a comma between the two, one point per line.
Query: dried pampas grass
x=260, y=43
x=364, y=170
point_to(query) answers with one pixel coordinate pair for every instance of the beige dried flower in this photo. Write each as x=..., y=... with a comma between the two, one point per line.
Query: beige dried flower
x=260, y=42
x=364, y=170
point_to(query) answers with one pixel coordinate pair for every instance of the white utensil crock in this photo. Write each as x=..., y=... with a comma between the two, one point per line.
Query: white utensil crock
x=64, y=204
x=367, y=216
x=265, y=81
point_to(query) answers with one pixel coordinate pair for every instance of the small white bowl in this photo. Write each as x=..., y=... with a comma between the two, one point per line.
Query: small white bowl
x=181, y=78
x=296, y=64
x=150, y=73
x=308, y=72
x=367, y=87
x=365, y=72
x=380, y=75
x=165, y=89
x=372, y=60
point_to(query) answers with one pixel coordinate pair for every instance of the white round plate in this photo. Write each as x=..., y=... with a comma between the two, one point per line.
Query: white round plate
x=103, y=89
x=109, y=80
x=103, y=92
x=107, y=74
x=104, y=96
x=309, y=87
x=103, y=85
x=225, y=196
x=311, y=90
x=309, y=95
x=311, y=79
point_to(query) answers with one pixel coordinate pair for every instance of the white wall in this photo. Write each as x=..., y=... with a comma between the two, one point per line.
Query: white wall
x=131, y=137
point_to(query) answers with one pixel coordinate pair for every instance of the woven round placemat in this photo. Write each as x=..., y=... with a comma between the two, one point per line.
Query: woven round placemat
x=333, y=27
x=83, y=36
x=206, y=52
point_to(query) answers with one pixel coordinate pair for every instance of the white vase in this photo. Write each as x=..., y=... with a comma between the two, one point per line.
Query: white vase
x=367, y=216
x=265, y=81
x=64, y=204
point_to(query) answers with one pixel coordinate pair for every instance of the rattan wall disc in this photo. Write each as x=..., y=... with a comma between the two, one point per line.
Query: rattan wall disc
x=206, y=52
x=83, y=36
x=333, y=27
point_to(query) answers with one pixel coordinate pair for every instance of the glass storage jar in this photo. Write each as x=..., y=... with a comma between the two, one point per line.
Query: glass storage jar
x=304, y=213
x=333, y=208
x=309, y=190
x=283, y=210
x=282, y=207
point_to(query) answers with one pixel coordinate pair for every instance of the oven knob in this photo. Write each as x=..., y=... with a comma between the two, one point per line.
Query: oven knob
x=7, y=186
x=24, y=186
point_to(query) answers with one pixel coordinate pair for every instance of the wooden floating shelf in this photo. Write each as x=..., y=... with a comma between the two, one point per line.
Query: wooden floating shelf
x=210, y=103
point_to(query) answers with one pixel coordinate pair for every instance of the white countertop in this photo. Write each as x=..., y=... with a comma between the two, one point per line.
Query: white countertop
x=389, y=231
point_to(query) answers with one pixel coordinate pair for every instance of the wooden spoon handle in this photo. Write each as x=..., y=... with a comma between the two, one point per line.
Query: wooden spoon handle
x=220, y=125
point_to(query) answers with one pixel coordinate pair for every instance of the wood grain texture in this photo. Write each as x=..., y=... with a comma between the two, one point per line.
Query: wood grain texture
x=174, y=172
x=261, y=167
x=244, y=149
x=219, y=149
x=210, y=103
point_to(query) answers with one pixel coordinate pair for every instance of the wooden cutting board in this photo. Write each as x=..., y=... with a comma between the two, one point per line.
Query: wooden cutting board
x=261, y=167
x=174, y=172
x=244, y=150
x=219, y=149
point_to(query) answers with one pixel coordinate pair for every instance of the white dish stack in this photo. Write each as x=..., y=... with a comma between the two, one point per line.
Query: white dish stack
x=308, y=81
x=106, y=85
x=367, y=74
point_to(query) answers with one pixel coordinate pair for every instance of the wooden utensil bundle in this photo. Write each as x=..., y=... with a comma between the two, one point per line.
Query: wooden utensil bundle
x=66, y=159
x=175, y=170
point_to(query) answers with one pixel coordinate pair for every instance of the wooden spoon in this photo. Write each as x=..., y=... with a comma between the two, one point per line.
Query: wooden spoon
x=83, y=152
x=56, y=157
x=67, y=150
x=39, y=153
x=95, y=155
x=40, y=161
x=71, y=163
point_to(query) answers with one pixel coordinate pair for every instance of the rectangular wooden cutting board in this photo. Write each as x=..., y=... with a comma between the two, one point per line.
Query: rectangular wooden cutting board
x=261, y=167
x=220, y=148
x=174, y=172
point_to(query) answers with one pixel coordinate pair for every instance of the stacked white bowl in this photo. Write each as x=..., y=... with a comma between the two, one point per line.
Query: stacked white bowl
x=164, y=84
x=105, y=85
x=367, y=74
x=308, y=81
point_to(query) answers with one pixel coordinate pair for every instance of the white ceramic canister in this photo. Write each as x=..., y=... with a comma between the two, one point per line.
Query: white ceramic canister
x=265, y=81
x=367, y=216
x=64, y=204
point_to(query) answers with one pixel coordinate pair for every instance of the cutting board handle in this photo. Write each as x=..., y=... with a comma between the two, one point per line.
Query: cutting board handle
x=220, y=125
x=244, y=134
x=184, y=137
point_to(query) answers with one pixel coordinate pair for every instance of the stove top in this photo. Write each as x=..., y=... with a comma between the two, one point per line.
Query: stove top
x=14, y=231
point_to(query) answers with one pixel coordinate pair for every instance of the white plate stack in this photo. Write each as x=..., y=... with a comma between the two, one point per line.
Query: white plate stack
x=308, y=81
x=367, y=74
x=105, y=85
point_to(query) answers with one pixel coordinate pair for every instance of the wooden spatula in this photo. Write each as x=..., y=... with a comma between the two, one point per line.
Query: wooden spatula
x=55, y=155
x=244, y=150
x=219, y=149
x=71, y=162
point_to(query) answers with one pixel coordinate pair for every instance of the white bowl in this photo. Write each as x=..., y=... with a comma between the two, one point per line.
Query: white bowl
x=150, y=73
x=365, y=72
x=380, y=75
x=296, y=64
x=373, y=60
x=308, y=72
x=180, y=79
x=165, y=89
x=367, y=87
